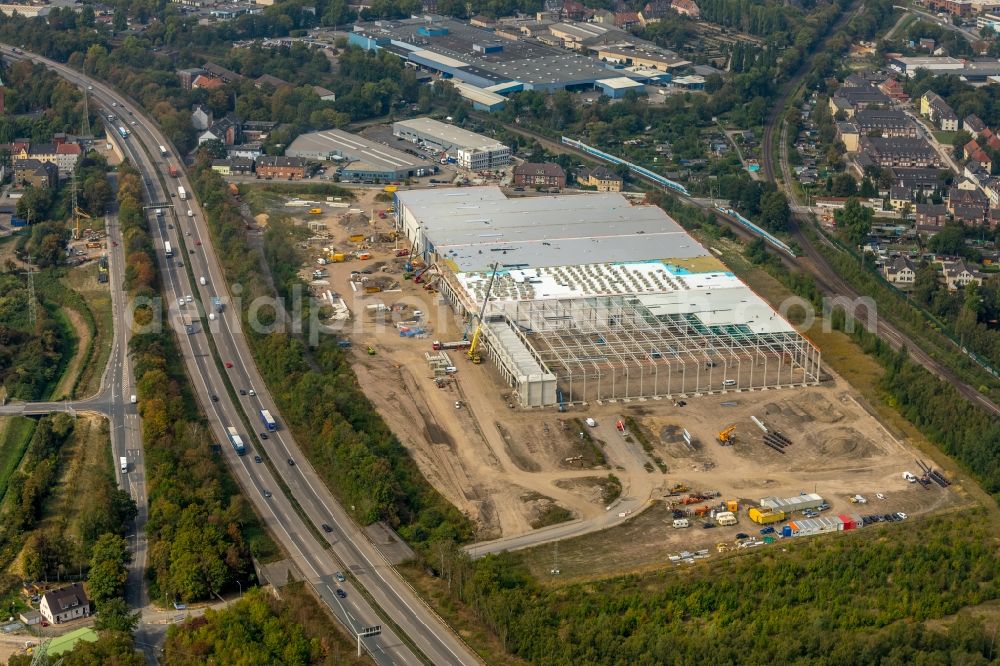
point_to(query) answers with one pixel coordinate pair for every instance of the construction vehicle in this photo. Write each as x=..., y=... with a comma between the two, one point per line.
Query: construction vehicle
x=371, y=350
x=727, y=437
x=473, y=352
x=679, y=488
x=315, y=211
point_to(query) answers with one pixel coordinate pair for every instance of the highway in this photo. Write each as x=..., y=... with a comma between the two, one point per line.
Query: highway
x=317, y=554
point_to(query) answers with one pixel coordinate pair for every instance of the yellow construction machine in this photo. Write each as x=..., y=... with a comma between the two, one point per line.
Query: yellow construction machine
x=727, y=437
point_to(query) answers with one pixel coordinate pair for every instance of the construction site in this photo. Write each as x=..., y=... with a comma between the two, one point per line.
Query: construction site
x=656, y=401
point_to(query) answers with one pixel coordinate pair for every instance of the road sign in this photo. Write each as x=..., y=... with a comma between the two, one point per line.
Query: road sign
x=370, y=631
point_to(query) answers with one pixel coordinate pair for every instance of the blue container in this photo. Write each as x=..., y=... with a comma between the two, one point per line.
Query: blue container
x=786, y=531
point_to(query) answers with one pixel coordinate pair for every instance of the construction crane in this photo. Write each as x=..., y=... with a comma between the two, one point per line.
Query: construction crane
x=77, y=214
x=728, y=436
x=473, y=352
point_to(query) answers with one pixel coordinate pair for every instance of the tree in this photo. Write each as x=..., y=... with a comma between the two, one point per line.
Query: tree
x=774, y=211
x=844, y=185
x=950, y=240
x=855, y=220
x=115, y=615
x=108, y=561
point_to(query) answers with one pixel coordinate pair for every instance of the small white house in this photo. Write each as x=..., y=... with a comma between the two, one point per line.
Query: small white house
x=65, y=604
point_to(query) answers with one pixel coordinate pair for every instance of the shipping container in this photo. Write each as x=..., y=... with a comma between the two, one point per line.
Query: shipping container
x=765, y=516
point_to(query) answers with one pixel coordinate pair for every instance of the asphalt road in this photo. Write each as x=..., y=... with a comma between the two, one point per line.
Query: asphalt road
x=318, y=557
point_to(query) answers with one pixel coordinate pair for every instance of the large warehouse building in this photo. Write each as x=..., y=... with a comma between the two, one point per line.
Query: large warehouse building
x=362, y=159
x=470, y=150
x=597, y=299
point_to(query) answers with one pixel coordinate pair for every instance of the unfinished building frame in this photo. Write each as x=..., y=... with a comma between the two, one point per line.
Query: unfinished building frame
x=614, y=348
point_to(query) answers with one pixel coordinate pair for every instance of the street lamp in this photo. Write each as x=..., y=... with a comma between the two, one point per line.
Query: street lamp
x=241, y=588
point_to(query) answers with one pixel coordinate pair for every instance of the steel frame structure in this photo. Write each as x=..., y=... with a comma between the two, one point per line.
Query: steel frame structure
x=613, y=348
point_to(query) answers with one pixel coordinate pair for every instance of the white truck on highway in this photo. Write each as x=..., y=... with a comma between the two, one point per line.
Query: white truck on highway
x=124, y=464
x=182, y=193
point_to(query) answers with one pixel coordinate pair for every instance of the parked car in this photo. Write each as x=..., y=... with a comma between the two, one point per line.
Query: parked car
x=767, y=530
x=741, y=535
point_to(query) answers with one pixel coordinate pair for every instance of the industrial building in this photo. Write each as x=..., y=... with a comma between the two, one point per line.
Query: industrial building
x=362, y=159
x=468, y=149
x=792, y=504
x=479, y=57
x=616, y=87
x=596, y=299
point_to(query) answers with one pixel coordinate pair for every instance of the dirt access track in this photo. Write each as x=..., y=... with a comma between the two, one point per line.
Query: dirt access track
x=509, y=469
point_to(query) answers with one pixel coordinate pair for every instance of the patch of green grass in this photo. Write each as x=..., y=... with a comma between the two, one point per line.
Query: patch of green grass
x=945, y=138
x=552, y=515
x=16, y=435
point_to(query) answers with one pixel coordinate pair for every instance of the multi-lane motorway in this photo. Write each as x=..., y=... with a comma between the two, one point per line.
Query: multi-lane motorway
x=318, y=555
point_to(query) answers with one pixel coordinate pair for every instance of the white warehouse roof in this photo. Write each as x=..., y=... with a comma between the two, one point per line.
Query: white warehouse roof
x=445, y=133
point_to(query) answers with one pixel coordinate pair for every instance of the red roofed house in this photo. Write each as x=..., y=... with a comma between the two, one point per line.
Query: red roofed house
x=894, y=90
x=687, y=8
x=626, y=20
x=207, y=82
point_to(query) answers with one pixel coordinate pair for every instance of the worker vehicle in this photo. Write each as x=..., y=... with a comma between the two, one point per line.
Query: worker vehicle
x=182, y=193
x=727, y=437
x=123, y=461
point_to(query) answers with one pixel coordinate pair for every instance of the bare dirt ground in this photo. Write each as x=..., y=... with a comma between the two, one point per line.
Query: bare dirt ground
x=506, y=468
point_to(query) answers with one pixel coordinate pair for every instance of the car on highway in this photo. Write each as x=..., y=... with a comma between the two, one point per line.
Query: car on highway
x=197, y=242
x=267, y=493
x=228, y=364
x=263, y=435
x=327, y=528
x=251, y=392
x=114, y=243
x=90, y=87
x=180, y=302
x=258, y=459
x=188, y=298
x=215, y=398
x=242, y=391
x=114, y=103
x=291, y=463
x=341, y=593
x=340, y=577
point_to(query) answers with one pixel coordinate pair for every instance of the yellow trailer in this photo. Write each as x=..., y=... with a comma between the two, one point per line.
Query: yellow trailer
x=337, y=257
x=357, y=238
x=315, y=211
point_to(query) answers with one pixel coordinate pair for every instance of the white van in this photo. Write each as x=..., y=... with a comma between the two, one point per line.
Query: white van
x=591, y=422
x=680, y=523
x=729, y=382
x=132, y=399
x=203, y=281
x=417, y=314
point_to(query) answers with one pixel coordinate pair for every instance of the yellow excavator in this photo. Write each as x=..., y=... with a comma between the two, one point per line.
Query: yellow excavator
x=727, y=437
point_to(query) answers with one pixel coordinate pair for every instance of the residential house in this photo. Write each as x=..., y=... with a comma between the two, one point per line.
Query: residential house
x=993, y=142
x=848, y=134
x=35, y=173
x=64, y=154
x=603, y=178
x=991, y=188
x=899, y=197
x=687, y=8
x=993, y=219
x=931, y=216
x=187, y=76
x=626, y=20
x=207, y=82
x=240, y=166
x=897, y=152
x=969, y=214
x=654, y=12
x=958, y=274
x=927, y=44
x=893, y=89
x=533, y=174
x=917, y=180
x=975, y=173
x=850, y=100
x=933, y=107
x=900, y=272
x=201, y=118
x=965, y=197
x=973, y=125
x=324, y=94
x=265, y=80
x=225, y=130
x=218, y=71
x=291, y=168
x=64, y=604
x=221, y=167
x=250, y=151
x=884, y=123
